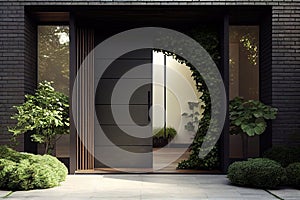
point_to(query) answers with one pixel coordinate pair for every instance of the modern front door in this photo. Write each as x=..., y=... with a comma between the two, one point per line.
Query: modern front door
x=123, y=128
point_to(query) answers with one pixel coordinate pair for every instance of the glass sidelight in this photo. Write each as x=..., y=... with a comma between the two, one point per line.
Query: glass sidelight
x=244, y=77
x=53, y=65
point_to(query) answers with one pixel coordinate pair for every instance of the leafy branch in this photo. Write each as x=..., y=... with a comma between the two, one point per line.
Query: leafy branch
x=249, y=116
x=46, y=114
x=194, y=117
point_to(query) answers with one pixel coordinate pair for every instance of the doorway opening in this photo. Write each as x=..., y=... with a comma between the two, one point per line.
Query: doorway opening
x=174, y=91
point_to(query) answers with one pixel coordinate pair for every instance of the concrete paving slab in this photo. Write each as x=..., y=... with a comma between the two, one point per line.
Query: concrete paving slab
x=287, y=193
x=150, y=187
x=3, y=193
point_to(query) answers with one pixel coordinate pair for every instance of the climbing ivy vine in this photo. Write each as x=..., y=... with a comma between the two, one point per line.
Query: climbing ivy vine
x=208, y=38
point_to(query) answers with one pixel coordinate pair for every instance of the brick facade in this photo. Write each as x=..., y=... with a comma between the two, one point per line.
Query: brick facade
x=282, y=77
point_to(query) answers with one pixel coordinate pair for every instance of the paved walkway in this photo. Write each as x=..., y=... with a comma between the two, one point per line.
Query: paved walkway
x=149, y=187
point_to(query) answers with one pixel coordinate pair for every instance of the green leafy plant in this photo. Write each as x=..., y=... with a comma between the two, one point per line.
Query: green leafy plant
x=293, y=174
x=258, y=172
x=160, y=138
x=194, y=116
x=46, y=114
x=284, y=155
x=208, y=37
x=25, y=171
x=211, y=161
x=248, y=118
x=159, y=133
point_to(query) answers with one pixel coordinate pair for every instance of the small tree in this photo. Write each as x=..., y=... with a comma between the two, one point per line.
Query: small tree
x=46, y=113
x=248, y=118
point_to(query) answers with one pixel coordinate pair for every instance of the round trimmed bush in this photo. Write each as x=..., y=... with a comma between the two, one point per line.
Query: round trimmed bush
x=57, y=167
x=27, y=171
x=12, y=155
x=22, y=177
x=258, y=172
x=283, y=155
x=7, y=168
x=44, y=176
x=293, y=174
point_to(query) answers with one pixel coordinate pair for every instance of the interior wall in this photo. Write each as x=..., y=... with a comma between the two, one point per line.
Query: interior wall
x=181, y=89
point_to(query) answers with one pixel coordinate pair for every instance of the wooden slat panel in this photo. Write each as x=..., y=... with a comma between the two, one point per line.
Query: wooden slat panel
x=85, y=101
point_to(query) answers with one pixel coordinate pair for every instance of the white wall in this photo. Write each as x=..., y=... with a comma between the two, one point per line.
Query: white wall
x=181, y=89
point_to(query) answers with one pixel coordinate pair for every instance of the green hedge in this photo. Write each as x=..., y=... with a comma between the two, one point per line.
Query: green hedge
x=293, y=174
x=258, y=172
x=24, y=171
x=283, y=155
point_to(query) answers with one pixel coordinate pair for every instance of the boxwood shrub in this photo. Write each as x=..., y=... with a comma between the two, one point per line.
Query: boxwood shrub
x=25, y=171
x=293, y=174
x=258, y=172
x=283, y=154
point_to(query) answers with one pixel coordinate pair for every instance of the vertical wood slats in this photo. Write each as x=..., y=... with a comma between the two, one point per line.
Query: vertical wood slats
x=85, y=100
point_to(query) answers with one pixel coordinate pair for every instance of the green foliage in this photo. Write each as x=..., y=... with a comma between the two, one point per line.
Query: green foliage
x=46, y=113
x=249, y=116
x=24, y=171
x=53, y=56
x=208, y=38
x=160, y=139
x=7, y=168
x=211, y=161
x=249, y=42
x=52, y=162
x=10, y=154
x=194, y=116
x=159, y=133
x=258, y=172
x=284, y=155
x=293, y=174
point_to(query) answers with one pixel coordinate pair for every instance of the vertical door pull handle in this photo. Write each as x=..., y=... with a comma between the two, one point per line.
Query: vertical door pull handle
x=149, y=105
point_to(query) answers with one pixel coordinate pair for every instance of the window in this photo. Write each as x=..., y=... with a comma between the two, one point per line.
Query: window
x=53, y=65
x=244, y=77
x=53, y=56
x=243, y=63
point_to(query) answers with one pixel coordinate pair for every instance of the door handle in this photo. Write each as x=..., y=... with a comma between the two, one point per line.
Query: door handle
x=149, y=105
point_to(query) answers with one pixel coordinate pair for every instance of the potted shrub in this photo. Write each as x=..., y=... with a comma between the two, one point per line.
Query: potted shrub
x=160, y=138
x=248, y=118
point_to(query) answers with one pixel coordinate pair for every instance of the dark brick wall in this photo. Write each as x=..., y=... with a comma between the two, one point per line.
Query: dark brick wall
x=265, y=74
x=11, y=65
x=18, y=57
x=30, y=54
x=286, y=72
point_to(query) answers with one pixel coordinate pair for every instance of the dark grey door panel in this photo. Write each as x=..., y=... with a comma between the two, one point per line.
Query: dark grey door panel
x=121, y=91
x=122, y=135
x=139, y=158
x=123, y=130
x=142, y=69
x=120, y=114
